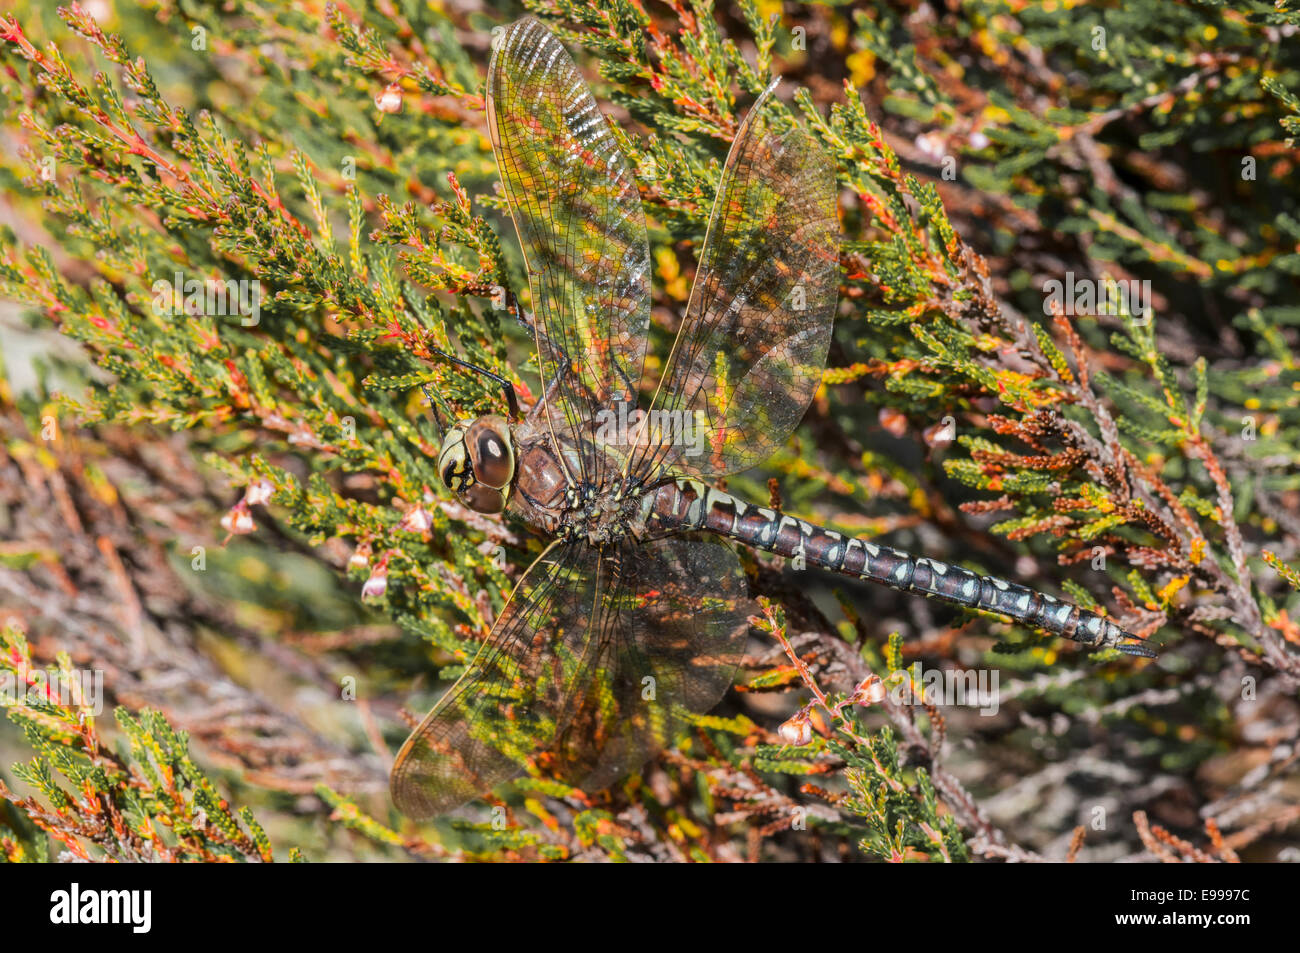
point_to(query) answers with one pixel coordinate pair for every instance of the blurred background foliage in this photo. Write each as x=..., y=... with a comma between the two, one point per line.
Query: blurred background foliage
x=240, y=524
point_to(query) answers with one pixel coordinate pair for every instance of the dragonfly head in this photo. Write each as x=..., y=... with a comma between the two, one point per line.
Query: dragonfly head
x=477, y=462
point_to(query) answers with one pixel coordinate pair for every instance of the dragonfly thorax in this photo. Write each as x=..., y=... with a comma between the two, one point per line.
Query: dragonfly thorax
x=477, y=462
x=601, y=515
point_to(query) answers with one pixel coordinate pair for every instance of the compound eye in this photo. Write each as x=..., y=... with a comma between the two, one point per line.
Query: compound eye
x=494, y=459
x=453, y=466
x=484, y=499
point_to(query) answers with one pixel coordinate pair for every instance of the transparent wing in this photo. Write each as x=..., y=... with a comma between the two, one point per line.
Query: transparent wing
x=578, y=212
x=750, y=352
x=670, y=632
x=591, y=667
x=482, y=729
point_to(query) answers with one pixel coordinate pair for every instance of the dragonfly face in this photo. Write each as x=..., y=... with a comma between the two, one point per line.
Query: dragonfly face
x=477, y=463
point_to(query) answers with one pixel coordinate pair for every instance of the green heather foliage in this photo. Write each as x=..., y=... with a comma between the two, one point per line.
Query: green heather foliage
x=1139, y=460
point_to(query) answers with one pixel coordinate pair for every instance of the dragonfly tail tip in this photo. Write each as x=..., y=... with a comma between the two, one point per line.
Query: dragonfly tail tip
x=1141, y=651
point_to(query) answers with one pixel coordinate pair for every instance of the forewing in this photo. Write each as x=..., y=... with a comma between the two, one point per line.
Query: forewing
x=578, y=212
x=751, y=349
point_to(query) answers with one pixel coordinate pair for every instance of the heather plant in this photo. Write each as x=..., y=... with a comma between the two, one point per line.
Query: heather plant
x=243, y=239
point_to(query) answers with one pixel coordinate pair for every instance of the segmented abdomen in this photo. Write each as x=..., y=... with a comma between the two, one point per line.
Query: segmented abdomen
x=691, y=505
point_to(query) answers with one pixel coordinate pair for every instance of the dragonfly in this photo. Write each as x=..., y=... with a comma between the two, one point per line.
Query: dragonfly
x=634, y=617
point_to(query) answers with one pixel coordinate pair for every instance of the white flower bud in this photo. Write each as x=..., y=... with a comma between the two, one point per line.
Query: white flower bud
x=797, y=730
x=238, y=520
x=377, y=584
x=390, y=100
x=870, y=692
x=416, y=520
x=360, y=557
x=258, y=493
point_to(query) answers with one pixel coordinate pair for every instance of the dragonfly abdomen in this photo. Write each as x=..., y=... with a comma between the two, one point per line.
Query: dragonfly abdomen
x=692, y=505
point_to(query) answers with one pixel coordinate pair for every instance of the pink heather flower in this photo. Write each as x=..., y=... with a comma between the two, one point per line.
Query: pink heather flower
x=932, y=145
x=390, y=100
x=258, y=493
x=895, y=421
x=238, y=521
x=416, y=520
x=797, y=730
x=360, y=557
x=377, y=584
x=870, y=691
x=938, y=436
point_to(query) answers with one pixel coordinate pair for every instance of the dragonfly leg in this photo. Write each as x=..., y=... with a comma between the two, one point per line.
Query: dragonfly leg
x=552, y=390
x=507, y=388
x=545, y=346
x=528, y=322
x=550, y=393
x=434, y=401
